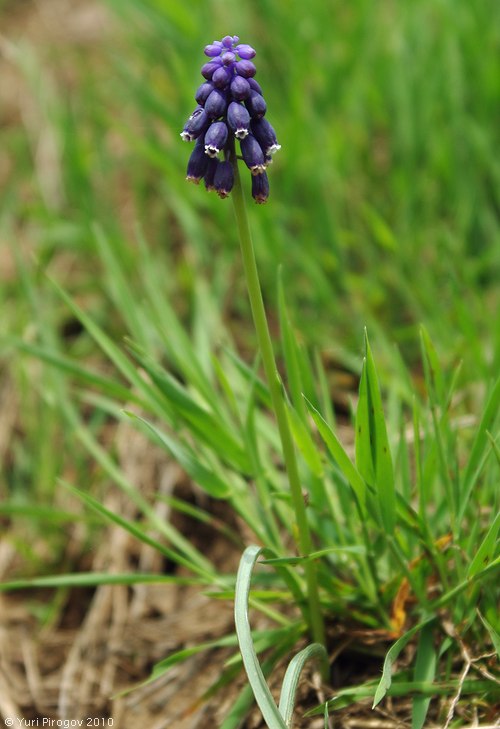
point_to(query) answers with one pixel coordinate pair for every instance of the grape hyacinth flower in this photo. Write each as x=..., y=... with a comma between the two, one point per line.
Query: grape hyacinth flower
x=231, y=111
x=230, y=107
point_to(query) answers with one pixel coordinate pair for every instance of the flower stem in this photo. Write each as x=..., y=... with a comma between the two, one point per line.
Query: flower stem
x=304, y=542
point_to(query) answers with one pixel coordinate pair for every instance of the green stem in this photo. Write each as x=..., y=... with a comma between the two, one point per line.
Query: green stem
x=304, y=542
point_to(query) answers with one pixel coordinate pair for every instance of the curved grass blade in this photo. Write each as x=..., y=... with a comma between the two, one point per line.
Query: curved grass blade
x=292, y=676
x=393, y=652
x=253, y=669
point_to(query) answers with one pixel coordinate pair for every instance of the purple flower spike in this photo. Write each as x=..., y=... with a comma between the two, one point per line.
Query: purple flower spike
x=215, y=138
x=196, y=124
x=245, y=51
x=198, y=163
x=240, y=88
x=212, y=50
x=203, y=92
x=245, y=69
x=216, y=104
x=253, y=155
x=231, y=106
x=256, y=104
x=224, y=179
x=265, y=135
x=260, y=188
x=238, y=119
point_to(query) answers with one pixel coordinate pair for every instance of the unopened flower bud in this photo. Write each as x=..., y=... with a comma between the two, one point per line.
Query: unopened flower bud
x=207, y=71
x=265, y=135
x=245, y=68
x=203, y=92
x=224, y=179
x=260, y=188
x=245, y=51
x=213, y=49
x=253, y=155
x=215, y=138
x=195, y=125
x=255, y=85
x=238, y=119
x=256, y=104
x=198, y=163
x=240, y=88
x=216, y=104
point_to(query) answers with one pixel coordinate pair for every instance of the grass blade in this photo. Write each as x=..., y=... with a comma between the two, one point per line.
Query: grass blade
x=479, y=447
x=486, y=549
x=425, y=669
x=393, y=652
x=253, y=669
x=204, y=477
x=292, y=676
x=340, y=456
x=94, y=579
x=379, y=445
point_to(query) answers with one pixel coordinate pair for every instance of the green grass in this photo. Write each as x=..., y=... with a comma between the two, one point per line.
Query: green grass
x=129, y=304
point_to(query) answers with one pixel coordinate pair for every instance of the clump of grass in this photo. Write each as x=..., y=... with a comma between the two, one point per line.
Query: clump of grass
x=404, y=528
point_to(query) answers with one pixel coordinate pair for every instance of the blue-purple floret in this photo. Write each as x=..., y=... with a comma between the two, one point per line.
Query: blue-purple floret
x=230, y=106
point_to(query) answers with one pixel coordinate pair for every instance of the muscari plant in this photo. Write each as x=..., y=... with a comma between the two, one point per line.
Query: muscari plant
x=231, y=108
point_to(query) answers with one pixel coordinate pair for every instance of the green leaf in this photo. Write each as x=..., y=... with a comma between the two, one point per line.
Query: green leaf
x=204, y=477
x=486, y=550
x=425, y=670
x=400, y=687
x=494, y=635
x=392, y=654
x=253, y=669
x=94, y=579
x=340, y=456
x=464, y=584
x=477, y=454
x=119, y=359
x=432, y=369
x=304, y=442
x=363, y=436
x=101, y=455
x=355, y=549
x=315, y=651
x=71, y=367
x=290, y=350
x=205, y=425
x=379, y=444
x=132, y=529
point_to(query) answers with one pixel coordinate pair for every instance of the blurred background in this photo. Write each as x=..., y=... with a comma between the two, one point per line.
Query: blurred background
x=384, y=206
x=384, y=209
